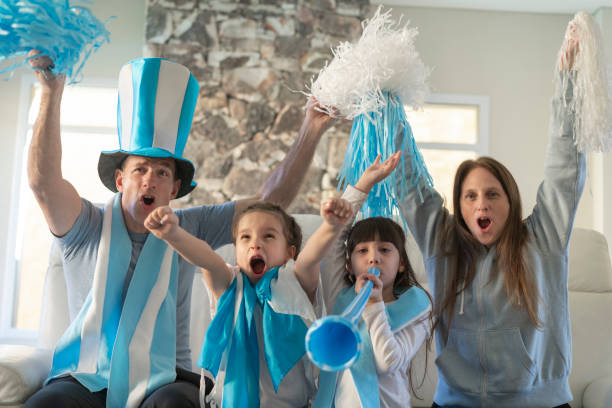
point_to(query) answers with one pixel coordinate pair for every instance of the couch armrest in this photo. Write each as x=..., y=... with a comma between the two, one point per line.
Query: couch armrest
x=22, y=372
x=598, y=394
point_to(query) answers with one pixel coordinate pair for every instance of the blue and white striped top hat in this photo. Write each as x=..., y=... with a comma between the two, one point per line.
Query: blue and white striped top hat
x=157, y=98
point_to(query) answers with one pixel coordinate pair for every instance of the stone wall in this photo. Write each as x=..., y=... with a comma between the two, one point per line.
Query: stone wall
x=252, y=59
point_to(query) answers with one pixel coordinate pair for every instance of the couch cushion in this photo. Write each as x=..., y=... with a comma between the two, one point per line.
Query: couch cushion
x=22, y=371
x=591, y=345
x=589, y=262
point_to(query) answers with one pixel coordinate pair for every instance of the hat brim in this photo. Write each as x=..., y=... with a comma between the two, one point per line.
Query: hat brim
x=110, y=161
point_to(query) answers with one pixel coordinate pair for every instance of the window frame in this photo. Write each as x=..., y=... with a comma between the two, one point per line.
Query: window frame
x=10, y=268
x=481, y=147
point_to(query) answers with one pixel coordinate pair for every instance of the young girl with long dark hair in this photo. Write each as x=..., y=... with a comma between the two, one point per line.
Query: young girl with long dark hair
x=395, y=322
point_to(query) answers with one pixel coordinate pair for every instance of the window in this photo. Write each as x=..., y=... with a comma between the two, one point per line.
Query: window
x=448, y=130
x=88, y=125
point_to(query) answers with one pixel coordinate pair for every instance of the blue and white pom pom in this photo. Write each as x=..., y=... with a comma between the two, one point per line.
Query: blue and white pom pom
x=67, y=33
x=370, y=81
x=589, y=79
x=383, y=134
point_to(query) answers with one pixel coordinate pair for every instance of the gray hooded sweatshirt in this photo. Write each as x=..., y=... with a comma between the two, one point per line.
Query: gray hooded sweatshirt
x=493, y=356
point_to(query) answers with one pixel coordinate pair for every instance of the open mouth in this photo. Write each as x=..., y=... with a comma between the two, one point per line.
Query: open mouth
x=258, y=265
x=484, y=223
x=148, y=200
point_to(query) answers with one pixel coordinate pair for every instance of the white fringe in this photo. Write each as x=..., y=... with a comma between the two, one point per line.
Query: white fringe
x=384, y=58
x=589, y=80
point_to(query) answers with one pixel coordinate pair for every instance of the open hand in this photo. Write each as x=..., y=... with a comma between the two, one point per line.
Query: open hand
x=377, y=172
x=161, y=222
x=336, y=211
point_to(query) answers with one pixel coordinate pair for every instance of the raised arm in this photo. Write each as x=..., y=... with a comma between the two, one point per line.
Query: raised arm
x=423, y=210
x=336, y=213
x=565, y=168
x=284, y=182
x=163, y=223
x=58, y=199
x=333, y=263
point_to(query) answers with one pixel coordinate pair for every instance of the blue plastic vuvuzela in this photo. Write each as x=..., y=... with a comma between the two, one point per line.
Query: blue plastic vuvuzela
x=333, y=342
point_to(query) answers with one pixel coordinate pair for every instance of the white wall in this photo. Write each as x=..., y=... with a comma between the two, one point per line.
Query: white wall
x=510, y=57
x=603, y=162
x=127, y=41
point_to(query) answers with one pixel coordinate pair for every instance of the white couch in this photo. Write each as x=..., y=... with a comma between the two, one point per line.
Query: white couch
x=22, y=369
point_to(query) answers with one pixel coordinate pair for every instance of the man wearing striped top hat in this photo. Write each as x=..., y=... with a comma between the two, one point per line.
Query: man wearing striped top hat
x=129, y=294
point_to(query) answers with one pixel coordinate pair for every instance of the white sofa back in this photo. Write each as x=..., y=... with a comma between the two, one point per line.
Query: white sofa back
x=590, y=298
x=590, y=302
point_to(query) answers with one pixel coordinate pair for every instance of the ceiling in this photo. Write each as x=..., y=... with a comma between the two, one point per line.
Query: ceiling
x=531, y=6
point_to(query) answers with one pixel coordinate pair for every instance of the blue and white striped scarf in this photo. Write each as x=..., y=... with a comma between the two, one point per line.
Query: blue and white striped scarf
x=230, y=352
x=128, y=348
x=407, y=309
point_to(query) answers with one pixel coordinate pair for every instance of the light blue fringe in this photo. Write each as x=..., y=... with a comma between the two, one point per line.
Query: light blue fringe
x=67, y=33
x=384, y=133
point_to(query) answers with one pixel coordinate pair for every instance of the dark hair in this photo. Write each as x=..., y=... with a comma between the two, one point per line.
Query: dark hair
x=291, y=229
x=458, y=243
x=386, y=230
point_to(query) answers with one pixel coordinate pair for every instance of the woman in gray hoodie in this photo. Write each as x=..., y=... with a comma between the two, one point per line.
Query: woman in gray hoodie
x=499, y=282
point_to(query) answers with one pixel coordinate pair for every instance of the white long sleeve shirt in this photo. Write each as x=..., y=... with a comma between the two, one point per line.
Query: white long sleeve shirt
x=393, y=351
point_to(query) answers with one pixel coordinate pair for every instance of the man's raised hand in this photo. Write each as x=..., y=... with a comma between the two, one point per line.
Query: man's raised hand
x=42, y=69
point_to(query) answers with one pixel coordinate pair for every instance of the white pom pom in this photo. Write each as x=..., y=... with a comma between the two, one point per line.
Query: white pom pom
x=589, y=80
x=384, y=58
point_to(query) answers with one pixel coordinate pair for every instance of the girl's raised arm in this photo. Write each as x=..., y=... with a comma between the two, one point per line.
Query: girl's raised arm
x=334, y=262
x=336, y=213
x=163, y=223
